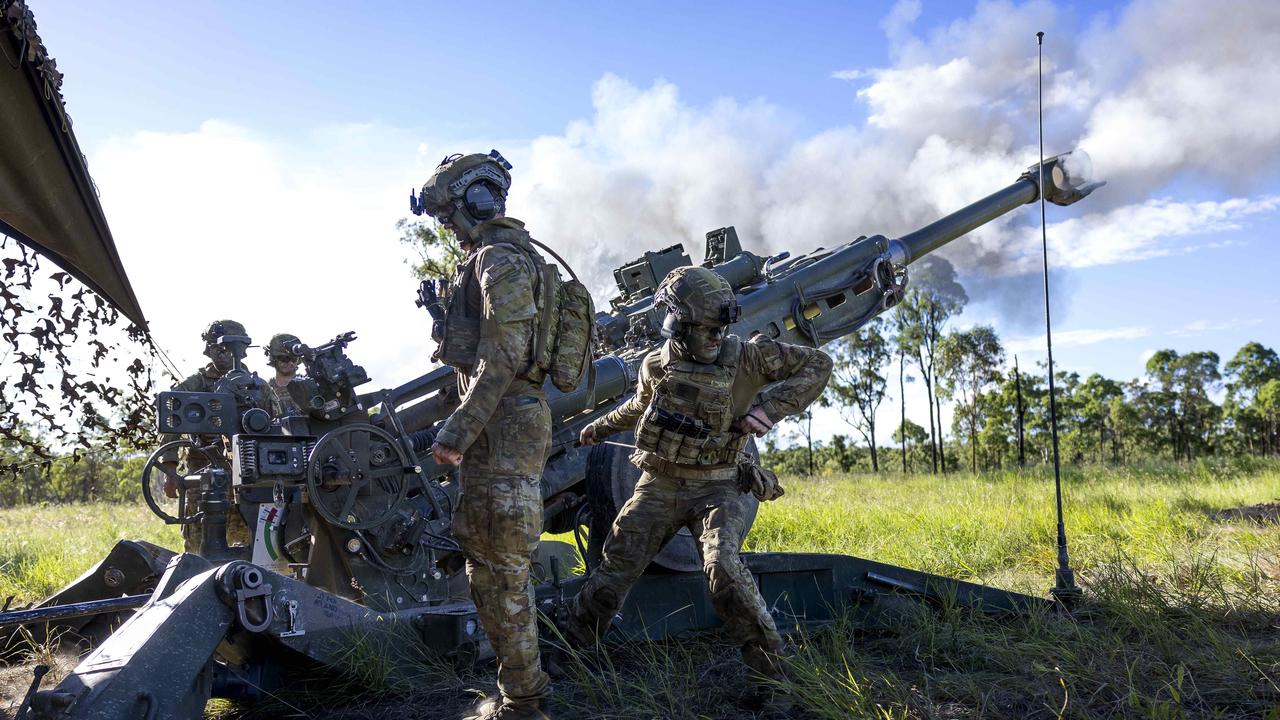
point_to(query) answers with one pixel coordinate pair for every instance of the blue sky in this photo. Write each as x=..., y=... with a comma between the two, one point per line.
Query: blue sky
x=286, y=136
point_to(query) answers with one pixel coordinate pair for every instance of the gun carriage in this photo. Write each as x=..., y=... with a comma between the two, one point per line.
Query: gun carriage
x=351, y=516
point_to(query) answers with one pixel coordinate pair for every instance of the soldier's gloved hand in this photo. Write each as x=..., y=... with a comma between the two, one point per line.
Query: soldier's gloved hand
x=760, y=481
x=446, y=455
x=765, y=486
x=171, y=479
x=588, y=435
x=756, y=421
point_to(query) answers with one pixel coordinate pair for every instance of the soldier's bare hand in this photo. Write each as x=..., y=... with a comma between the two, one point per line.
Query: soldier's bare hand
x=756, y=421
x=446, y=455
x=171, y=479
x=588, y=435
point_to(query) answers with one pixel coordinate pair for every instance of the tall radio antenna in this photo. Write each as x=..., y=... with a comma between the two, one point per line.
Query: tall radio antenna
x=1064, y=587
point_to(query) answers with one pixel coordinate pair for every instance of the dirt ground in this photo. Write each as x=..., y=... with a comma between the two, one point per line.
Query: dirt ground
x=1260, y=514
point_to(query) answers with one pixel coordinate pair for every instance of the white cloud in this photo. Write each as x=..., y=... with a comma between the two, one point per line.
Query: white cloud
x=221, y=223
x=1149, y=229
x=1202, y=327
x=900, y=17
x=1189, y=86
x=851, y=74
x=1076, y=338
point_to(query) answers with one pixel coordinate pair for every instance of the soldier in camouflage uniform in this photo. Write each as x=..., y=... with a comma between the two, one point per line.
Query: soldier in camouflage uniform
x=285, y=362
x=500, y=431
x=225, y=342
x=697, y=400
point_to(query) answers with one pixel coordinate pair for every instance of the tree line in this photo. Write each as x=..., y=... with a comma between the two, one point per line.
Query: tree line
x=1000, y=415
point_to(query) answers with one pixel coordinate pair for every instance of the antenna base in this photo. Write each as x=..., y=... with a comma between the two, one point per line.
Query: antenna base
x=1065, y=589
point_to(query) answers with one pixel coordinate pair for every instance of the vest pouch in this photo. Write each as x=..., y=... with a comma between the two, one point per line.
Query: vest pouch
x=575, y=324
x=647, y=431
x=461, y=341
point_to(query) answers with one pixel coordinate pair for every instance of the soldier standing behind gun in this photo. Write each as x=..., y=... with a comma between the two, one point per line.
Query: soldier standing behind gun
x=225, y=341
x=501, y=429
x=697, y=400
x=285, y=362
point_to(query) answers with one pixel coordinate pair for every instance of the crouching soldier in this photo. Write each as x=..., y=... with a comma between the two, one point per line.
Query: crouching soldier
x=697, y=401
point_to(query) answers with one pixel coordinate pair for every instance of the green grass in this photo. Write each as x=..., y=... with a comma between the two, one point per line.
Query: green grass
x=1181, y=616
x=1000, y=528
x=44, y=547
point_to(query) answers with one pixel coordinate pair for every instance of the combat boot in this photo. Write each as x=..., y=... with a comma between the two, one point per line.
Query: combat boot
x=769, y=703
x=498, y=709
x=578, y=633
x=581, y=627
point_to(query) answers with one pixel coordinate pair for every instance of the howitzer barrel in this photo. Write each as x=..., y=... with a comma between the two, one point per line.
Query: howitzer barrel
x=917, y=244
x=1066, y=180
x=819, y=297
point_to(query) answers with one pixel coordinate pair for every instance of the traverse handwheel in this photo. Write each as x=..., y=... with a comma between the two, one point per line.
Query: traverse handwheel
x=357, y=475
x=149, y=490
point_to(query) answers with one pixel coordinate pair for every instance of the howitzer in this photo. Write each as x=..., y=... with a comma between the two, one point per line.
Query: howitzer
x=810, y=299
x=351, y=516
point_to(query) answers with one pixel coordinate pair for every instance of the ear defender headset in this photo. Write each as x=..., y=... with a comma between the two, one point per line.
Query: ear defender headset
x=672, y=328
x=481, y=202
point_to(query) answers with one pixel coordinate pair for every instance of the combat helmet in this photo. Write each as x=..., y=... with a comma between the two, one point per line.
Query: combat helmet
x=225, y=331
x=696, y=296
x=476, y=184
x=281, y=344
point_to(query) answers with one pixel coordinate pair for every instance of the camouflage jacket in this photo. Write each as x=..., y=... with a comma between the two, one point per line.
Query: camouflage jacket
x=284, y=400
x=497, y=285
x=782, y=379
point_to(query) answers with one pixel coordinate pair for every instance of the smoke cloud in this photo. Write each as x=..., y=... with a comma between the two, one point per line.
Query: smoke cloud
x=1162, y=92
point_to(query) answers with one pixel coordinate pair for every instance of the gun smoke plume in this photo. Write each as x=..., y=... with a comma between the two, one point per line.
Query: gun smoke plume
x=1164, y=92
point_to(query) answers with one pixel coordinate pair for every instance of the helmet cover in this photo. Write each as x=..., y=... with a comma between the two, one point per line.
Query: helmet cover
x=279, y=346
x=455, y=175
x=698, y=296
x=222, y=331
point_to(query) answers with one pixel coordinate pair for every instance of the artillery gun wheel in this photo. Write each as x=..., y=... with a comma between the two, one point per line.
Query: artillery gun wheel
x=357, y=476
x=611, y=480
x=149, y=490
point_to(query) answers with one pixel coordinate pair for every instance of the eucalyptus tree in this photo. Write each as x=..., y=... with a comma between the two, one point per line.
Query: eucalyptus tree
x=858, y=383
x=934, y=298
x=968, y=362
x=1252, y=367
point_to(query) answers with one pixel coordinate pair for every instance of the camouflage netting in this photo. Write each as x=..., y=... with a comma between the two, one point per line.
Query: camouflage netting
x=75, y=375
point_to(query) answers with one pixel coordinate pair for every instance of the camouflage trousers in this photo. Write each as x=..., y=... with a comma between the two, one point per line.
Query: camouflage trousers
x=714, y=513
x=193, y=535
x=498, y=523
x=238, y=532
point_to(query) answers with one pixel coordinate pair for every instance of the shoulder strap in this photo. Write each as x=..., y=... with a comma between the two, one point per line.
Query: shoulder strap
x=730, y=352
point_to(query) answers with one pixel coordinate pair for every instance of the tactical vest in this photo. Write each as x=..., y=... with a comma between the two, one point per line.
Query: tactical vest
x=464, y=309
x=560, y=345
x=689, y=420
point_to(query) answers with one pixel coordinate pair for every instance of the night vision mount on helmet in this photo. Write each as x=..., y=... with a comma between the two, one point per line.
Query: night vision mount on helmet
x=222, y=332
